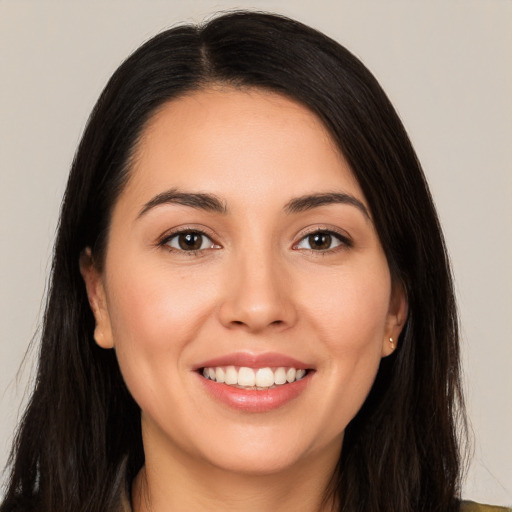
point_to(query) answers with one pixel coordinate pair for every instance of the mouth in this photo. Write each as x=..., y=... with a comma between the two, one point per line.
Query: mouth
x=260, y=379
x=255, y=383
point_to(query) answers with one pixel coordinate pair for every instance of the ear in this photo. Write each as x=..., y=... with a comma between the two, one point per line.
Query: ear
x=97, y=299
x=395, y=321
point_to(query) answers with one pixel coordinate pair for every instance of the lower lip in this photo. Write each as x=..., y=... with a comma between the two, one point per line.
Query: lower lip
x=252, y=400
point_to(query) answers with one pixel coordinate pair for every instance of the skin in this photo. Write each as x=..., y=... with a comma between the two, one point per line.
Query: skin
x=256, y=286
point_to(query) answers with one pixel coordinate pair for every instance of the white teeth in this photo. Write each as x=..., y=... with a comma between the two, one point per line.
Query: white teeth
x=280, y=376
x=246, y=377
x=249, y=378
x=300, y=373
x=264, y=378
x=231, y=376
x=219, y=375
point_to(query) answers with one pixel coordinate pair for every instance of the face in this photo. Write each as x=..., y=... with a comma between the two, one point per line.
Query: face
x=245, y=290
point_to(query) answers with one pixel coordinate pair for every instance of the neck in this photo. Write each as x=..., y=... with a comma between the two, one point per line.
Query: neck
x=172, y=480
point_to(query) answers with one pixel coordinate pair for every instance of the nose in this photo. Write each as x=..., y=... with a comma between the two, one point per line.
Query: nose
x=258, y=295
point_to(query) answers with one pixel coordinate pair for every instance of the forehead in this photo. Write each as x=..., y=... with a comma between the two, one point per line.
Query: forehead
x=226, y=140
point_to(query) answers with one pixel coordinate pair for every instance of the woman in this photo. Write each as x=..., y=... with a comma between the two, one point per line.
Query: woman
x=251, y=304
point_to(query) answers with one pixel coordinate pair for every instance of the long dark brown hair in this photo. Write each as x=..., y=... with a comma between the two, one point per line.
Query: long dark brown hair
x=400, y=453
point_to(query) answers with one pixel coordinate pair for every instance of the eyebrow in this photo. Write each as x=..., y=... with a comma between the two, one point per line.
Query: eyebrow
x=200, y=201
x=211, y=203
x=308, y=202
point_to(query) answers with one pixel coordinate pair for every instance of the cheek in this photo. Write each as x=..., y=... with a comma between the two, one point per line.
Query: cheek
x=350, y=319
x=351, y=309
x=154, y=316
x=154, y=306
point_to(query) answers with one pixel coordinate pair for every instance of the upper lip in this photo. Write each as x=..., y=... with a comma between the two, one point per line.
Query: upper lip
x=251, y=360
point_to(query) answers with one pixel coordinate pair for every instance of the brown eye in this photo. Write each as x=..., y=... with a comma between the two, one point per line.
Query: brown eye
x=321, y=241
x=190, y=241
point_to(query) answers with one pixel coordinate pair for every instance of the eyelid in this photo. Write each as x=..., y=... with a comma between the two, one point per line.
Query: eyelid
x=338, y=233
x=164, y=239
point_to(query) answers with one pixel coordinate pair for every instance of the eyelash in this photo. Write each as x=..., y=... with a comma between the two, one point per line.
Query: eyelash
x=343, y=240
x=187, y=231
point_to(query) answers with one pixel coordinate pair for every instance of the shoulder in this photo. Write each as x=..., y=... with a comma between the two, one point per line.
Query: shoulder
x=471, y=506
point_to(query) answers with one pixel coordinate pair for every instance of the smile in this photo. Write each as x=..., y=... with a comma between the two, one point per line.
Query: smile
x=243, y=377
x=255, y=383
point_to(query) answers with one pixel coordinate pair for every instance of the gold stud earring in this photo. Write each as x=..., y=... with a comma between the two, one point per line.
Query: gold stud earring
x=392, y=343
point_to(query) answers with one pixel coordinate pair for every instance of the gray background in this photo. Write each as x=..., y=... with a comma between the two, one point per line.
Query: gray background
x=446, y=65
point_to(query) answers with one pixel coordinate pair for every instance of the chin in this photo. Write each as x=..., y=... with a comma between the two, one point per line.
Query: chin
x=262, y=451
x=256, y=462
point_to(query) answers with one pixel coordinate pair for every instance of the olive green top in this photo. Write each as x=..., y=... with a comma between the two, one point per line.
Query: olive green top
x=471, y=506
x=465, y=506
